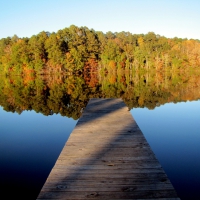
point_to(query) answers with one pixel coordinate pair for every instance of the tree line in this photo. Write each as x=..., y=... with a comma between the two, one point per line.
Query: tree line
x=79, y=49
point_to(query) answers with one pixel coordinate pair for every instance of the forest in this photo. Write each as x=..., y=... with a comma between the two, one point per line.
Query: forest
x=79, y=50
x=59, y=72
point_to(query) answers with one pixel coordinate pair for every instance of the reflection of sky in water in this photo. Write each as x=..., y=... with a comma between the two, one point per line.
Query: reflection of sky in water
x=31, y=142
x=29, y=146
x=173, y=132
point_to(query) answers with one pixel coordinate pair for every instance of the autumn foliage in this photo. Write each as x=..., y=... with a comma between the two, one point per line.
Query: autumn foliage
x=79, y=49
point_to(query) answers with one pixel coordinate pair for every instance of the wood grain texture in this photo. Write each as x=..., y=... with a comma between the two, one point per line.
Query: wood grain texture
x=107, y=157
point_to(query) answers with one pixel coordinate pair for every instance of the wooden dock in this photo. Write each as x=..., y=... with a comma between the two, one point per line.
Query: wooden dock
x=107, y=157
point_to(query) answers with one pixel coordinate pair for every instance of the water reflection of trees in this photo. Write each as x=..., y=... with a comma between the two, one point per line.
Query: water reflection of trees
x=68, y=95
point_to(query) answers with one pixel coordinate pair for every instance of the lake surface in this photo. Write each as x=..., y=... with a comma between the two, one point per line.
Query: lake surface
x=29, y=146
x=173, y=132
x=37, y=115
x=31, y=142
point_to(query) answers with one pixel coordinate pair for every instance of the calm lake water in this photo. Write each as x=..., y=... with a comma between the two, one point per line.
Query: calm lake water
x=173, y=132
x=31, y=142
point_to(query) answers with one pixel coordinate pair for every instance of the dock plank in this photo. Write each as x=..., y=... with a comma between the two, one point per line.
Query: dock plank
x=107, y=157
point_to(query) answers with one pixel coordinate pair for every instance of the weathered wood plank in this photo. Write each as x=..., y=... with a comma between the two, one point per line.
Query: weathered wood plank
x=126, y=194
x=107, y=157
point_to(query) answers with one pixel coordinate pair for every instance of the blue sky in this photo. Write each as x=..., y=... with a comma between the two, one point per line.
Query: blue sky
x=177, y=18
